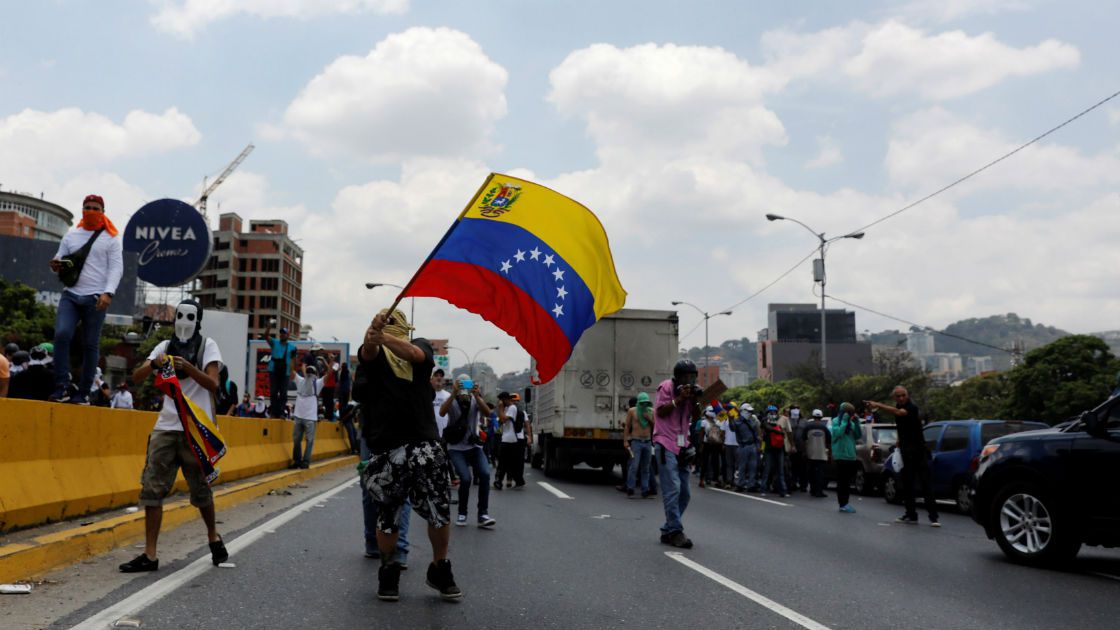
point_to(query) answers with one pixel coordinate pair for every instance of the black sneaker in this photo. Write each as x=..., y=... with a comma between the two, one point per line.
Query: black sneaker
x=59, y=395
x=389, y=582
x=907, y=519
x=666, y=538
x=678, y=539
x=497, y=485
x=440, y=578
x=218, y=553
x=140, y=564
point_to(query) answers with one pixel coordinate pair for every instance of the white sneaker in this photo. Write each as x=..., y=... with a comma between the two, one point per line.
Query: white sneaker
x=461, y=520
x=484, y=520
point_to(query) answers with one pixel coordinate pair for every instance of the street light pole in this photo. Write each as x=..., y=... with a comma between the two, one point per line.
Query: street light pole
x=412, y=313
x=474, y=359
x=707, y=317
x=819, y=276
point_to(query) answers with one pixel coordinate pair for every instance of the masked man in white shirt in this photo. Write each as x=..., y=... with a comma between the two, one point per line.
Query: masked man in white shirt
x=306, y=414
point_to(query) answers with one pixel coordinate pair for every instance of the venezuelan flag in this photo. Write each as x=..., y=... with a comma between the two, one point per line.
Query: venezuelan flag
x=199, y=430
x=531, y=261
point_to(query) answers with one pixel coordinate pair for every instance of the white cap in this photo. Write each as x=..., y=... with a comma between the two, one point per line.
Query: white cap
x=817, y=413
x=711, y=413
x=746, y=407
x=315, y=347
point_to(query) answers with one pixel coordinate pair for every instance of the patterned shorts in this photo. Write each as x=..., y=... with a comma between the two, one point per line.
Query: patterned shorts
x=416, y=472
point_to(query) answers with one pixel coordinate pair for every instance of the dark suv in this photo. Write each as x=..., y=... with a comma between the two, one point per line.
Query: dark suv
x=1042, y=494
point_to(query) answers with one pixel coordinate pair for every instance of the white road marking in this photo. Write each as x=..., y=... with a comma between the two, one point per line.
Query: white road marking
x=762, y=600
x=553, y=489
x=153, y=592
x=747, y=496
x=1106, y=575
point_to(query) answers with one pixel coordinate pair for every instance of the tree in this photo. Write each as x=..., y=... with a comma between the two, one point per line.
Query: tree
x=1062, y=379
x=23, y=319
x=984, y=397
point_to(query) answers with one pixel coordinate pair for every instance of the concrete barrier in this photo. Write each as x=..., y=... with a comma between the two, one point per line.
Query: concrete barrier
x=61, y=461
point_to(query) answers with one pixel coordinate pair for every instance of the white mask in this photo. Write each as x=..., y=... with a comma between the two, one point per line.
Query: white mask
x=186, y=322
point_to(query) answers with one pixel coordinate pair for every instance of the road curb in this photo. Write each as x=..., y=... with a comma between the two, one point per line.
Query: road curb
x=22, y=561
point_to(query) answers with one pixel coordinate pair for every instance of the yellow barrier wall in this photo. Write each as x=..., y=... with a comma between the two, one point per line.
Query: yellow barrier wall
x=60, y=461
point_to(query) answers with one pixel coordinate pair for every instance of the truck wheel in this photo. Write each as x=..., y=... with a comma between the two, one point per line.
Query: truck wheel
x=550, y=467
x=1031, y=527
x=537, y=460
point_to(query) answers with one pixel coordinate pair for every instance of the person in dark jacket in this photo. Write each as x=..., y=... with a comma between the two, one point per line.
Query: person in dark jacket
x=817, y=440
x=748, y=435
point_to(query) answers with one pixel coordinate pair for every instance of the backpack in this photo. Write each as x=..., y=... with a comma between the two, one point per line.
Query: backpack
x=519, y=422
x=777, y=437
x=714, y=434
x=457, y=429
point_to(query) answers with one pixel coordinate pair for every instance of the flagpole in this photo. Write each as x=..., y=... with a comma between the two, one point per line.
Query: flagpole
x=470, y=204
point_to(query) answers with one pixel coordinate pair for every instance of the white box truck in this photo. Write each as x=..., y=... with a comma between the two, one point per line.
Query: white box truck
x=578, y=415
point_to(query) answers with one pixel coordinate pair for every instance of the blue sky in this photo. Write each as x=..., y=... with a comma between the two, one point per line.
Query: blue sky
x=680, y=124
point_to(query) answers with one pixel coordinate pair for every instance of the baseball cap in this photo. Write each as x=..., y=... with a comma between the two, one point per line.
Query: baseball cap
x=504, y=396
x=283, y=331
x=315, y=347
x=438, y=372
x=817, y=413
x=746, y=407
x=771, y=408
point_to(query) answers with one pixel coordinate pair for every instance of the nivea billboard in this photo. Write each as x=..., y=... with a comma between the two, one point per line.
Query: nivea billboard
x=171, y=240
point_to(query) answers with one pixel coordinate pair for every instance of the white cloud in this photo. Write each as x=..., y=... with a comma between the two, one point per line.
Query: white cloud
x=668, y=100
x=423, y=92
x=949, y=10
x=892, y=58
x=36, y=141
x=184, y=18
x=931, y=148
x=828, y=154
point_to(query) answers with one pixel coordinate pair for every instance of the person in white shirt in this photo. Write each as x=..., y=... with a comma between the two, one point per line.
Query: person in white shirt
x=441, y=396
x=730, y=448
x=510, y=460
x=305, y=414
x=197, y=361
x=123, y=398
x=87, y=300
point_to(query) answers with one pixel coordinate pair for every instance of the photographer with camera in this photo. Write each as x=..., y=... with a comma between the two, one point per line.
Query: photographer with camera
x=677, y=405
x=465, y=409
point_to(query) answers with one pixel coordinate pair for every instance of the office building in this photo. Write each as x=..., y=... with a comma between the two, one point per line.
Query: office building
x=258, y=272
x=793, y=341
x=26, y=216
x=919, y=344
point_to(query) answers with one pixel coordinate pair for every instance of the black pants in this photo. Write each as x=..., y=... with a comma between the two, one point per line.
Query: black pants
x=511, y=464
x=277, y=393
x=799, y=464
x=326, y=396
x=713, y=462
x=915, y=467
x=845, y=472
x=816, y=476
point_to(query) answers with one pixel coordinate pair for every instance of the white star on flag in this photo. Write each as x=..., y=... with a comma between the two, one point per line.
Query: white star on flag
x=558, y=274
x=520, y=256
x=535, y=253
x=558, y=311
x=506, y=267
x=549, y=260
x=561, y=293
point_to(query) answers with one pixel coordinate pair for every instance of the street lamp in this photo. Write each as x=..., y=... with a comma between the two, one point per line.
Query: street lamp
x=475, y=358
x=818, y=271
x=707, y=361
x=411, y=315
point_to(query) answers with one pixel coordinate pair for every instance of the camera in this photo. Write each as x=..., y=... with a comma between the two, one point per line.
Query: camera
x=467, y=385
x=689, y=390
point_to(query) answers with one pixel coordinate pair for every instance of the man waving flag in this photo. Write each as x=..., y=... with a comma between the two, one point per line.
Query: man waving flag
x=531, y=261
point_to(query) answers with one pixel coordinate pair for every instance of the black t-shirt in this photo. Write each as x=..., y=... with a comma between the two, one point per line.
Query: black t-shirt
x=910, y=436
x=396, y=412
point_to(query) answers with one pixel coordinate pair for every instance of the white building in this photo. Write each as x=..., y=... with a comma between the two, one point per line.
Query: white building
x=920, y=344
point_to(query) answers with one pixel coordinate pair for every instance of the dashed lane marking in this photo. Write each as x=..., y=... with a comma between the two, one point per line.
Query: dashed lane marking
x=757, y=598
x=553, y=489
x=1105, y=575
x=748, y=496
x=143, y=598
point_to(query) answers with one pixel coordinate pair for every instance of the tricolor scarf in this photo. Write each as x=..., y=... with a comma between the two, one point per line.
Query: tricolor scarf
x=199, y=429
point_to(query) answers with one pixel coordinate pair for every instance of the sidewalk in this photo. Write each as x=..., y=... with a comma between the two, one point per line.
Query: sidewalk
x=29, y=553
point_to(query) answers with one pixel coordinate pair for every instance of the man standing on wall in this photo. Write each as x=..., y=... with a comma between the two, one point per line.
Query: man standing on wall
x=283, y=351
x=90, y=262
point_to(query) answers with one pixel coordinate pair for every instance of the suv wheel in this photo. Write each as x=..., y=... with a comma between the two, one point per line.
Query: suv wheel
x=891, y=490
x=964, y=501
x=1030, y=527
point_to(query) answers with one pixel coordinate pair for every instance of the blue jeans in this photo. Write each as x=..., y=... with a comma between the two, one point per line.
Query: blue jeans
x=303, y=427
x=775, y=465
x=369, y=517
x=73, y=309
x=748, y=466
x=640, y=461
x=675, y=492
x=464, y=462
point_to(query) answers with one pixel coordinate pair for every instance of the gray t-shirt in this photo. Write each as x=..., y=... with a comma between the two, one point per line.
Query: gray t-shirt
x=817, y=441
x=454, y=413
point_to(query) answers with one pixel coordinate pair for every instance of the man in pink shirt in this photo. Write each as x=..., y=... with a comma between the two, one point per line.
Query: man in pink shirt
x=677, y=405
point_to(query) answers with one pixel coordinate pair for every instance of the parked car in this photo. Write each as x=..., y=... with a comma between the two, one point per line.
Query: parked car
x=955, y=447
x=871, y=452
x=1043, y=494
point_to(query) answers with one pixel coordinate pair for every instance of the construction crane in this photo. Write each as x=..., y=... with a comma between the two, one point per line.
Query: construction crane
x=201, y=203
